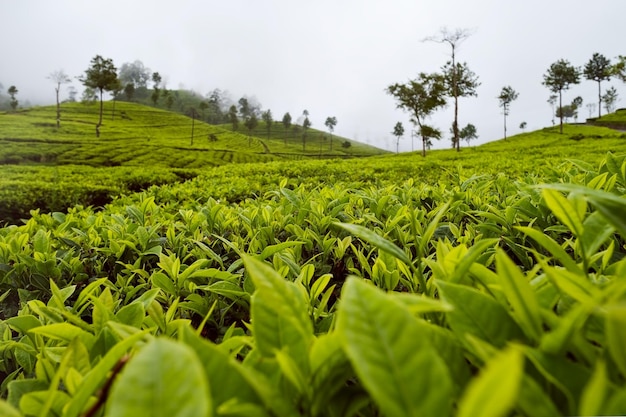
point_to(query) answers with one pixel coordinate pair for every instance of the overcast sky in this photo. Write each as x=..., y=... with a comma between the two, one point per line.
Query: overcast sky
x=331, y=57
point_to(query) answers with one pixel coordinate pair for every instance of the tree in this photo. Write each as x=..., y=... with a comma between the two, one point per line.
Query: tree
x=398, y=132
x=421, y=97
x=559, y=77
x=566, y=112
x=71, y=92
x=156, y=93
x=244, y=108
x=134, y=73
x=101, y=75
x=129, y=90
x=460, y=82
x=268, y=119
x=305, y=126
x=598, y=69
x=330, y=123
x=576, y=104
x=203, y=106
x=116, y=89
x=468, y=133
x=89, y=96
x=591, y=107
x=12, y=92
x=506, y=97
x=251, y=123
x=169, y=101
x=59, y=77
x=215, y=101
x=286, y=124
x=552, y=103
x=232, y=117
x=610, y=98
x=454, y=39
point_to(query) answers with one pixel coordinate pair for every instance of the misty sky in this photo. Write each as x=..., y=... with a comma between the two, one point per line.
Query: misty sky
x=331, y=57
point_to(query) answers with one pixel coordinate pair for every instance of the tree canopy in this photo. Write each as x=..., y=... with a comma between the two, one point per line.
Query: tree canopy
x=598, y=69
x=559, y=77
x=506, y=97
x=421, y=97
x=101, y=75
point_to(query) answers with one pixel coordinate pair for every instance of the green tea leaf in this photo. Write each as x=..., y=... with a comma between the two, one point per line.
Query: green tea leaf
x=478, y=314
x=615, y=324
x=494, y=392
x=596, y=392
x=279, y=313
x=564, y=210
x=7, y=410
x=165, y=379
x=99, y=373
x=376, y=240
x=520, y=295
x=387, y=351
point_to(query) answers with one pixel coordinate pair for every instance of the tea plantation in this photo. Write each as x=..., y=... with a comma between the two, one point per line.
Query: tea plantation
x=490, y=281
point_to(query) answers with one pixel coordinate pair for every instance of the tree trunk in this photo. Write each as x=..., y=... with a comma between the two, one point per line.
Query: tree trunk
x=58, y=106
x=193, y=120
x=504, y=122
x=561, y=112
x=455, y=92
x=599, y=100
x=100, y=119
x=424, y=139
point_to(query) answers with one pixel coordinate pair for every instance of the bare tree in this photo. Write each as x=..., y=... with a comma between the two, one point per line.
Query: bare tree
x=506, y=97
x=59, y=77
x=454, y=38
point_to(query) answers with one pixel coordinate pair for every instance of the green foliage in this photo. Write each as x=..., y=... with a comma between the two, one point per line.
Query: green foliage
x=392, y=286
x=559, y=77
x=421, y=97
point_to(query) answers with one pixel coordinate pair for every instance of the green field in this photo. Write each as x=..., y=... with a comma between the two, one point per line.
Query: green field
x=483, y=282
x=42, y=167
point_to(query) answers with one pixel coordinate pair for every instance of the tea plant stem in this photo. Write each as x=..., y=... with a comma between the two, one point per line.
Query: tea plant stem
x=104, y=392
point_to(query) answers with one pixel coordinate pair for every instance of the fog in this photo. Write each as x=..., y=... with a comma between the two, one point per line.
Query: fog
x=331, y=57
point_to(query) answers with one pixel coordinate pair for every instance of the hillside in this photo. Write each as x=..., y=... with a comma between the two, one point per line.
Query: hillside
x=135, y=135
x=51, y=169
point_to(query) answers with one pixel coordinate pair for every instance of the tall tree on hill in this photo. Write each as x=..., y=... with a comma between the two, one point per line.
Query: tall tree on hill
x=460, y=82
x=559, y=77
x=59, y=77
x=421, y=97
x=232, y=117
x=12, y=92
x=506, y=97
x=268, y=119
x=454, y=39
x=156, y=93
x=598, y=69
x=330, y=123
x=101, y=75
x=398, y=132
x=286, y=124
